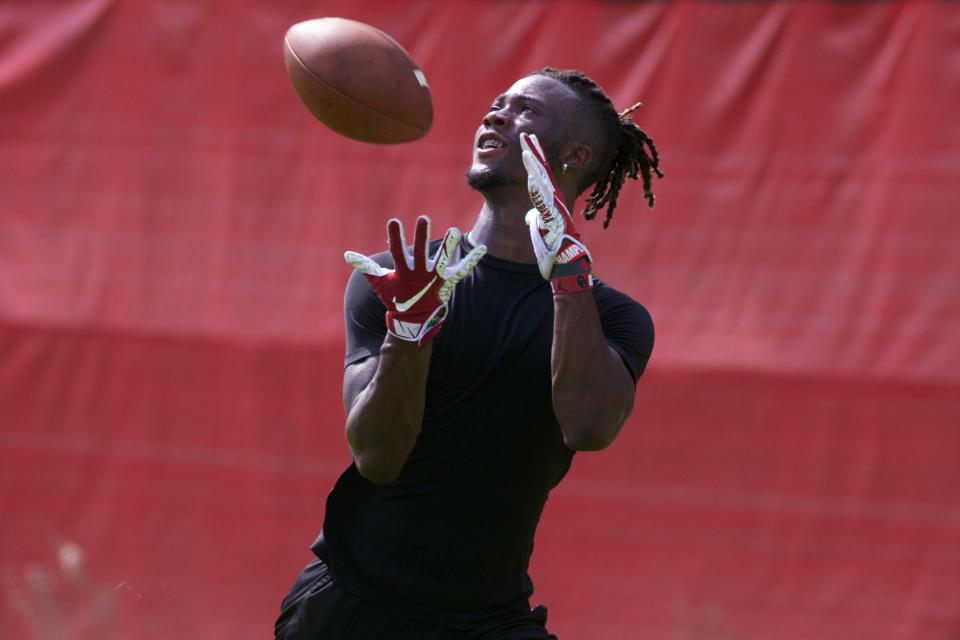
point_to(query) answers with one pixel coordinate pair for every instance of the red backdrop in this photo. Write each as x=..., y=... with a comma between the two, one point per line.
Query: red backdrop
x=171, y=230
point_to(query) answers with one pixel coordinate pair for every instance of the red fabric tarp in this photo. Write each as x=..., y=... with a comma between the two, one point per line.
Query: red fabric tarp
x=171, y=230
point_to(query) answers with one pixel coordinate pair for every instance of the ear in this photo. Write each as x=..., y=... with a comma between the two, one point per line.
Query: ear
x=576, y=156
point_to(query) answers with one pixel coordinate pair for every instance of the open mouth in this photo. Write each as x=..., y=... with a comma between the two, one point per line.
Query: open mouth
x=490, y=143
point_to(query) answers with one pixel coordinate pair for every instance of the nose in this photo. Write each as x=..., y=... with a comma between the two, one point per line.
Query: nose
x=495, y=118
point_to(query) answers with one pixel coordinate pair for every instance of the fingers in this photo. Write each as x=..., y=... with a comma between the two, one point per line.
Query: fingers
x=416, y=260
x=540, y=184
x=447, y=246
x=402, y=260
x=529, y=142
x=421, y=237
x=363, y=264
x=537, y=170
x=537, y=177
x=535, y=160
x=456, y=273
x=459, y=271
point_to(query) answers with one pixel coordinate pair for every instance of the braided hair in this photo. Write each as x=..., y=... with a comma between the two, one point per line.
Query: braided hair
x=627, y=151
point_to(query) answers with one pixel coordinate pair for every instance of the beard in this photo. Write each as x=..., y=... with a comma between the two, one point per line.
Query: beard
x=483, y=179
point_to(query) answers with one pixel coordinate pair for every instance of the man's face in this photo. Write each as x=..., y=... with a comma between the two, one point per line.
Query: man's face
x=535, y=104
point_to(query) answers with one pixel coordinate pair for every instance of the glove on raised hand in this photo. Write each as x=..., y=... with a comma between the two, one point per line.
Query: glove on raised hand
x=416, y=290
x=562, y=257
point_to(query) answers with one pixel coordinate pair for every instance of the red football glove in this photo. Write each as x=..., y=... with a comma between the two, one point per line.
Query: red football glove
x=416, y=290
x=562, y=257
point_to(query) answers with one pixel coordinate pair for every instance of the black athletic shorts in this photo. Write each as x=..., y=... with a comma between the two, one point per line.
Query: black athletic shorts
x=317, y=609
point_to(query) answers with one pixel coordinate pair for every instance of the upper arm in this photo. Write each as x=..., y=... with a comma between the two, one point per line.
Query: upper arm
x=363, y=317
x=624, y=382
x=628, y=331
x=617, y=403
x=356, y=377
x=627, y=328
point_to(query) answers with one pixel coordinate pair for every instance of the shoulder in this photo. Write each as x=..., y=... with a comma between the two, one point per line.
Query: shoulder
x=626, y=325
x=613, y=301
x=364, y=315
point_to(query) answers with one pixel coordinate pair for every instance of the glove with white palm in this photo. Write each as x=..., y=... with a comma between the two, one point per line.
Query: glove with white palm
x=562, y=257
x=416, y=290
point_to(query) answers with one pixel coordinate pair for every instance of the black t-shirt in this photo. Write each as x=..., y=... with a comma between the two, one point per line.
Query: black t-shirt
x=450, y=540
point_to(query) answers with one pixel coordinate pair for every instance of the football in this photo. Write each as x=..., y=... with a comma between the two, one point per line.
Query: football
x=358, y=80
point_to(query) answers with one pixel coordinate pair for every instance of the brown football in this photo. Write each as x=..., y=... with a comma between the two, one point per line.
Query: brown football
x=357, y=80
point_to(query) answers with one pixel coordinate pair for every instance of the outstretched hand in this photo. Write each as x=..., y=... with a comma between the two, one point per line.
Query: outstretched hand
x=562, y=257
x=417, y=289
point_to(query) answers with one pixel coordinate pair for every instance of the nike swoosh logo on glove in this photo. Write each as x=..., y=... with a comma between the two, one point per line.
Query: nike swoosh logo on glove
x=405, y=306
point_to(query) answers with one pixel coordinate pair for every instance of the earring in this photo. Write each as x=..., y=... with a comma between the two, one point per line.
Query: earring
x=565, y=166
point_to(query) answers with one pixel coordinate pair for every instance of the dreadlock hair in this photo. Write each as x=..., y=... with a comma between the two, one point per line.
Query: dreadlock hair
x=627, y=152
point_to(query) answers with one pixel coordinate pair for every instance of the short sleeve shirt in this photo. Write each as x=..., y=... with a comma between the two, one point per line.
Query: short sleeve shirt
x=450, y=540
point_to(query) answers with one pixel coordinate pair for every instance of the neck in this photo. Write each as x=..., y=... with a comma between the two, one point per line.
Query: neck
x=501, y=226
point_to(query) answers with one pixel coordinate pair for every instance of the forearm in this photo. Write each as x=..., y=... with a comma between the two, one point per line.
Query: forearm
x=592, y=393
x=384, y=419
